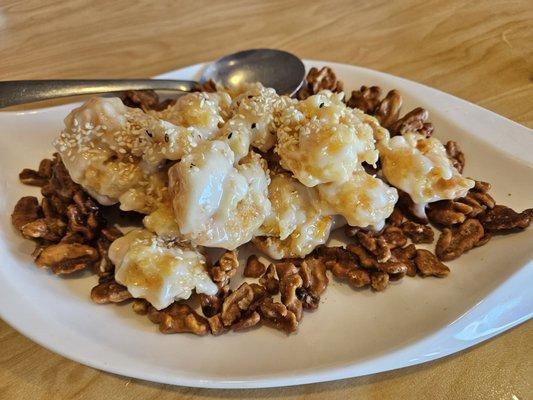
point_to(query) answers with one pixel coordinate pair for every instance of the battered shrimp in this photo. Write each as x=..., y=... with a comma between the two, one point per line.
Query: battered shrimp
x=215, y=203
x=321, y=140
x=365, y=201
x=157, y=270
x=253, y=122
x=200, y=110
x=118, y=153
x=296, y=224
x=419, y=166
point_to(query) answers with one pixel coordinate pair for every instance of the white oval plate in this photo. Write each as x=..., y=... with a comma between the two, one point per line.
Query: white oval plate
x=353, y=333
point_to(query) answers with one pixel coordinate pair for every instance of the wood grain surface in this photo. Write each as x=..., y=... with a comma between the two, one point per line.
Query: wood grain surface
x=481, y=51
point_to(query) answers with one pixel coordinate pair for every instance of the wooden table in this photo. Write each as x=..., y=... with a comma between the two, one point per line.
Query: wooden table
x=479, y=51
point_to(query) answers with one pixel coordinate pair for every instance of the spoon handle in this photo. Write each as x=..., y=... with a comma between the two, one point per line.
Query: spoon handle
x=21, y=92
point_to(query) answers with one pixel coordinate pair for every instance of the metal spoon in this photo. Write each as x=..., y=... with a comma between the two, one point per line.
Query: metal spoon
x=273, y=68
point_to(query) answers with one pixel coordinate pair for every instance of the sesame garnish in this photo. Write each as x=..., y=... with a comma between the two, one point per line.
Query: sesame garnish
x=166, y=137
x=149, y=133
x=230, y=135
x=254, y=125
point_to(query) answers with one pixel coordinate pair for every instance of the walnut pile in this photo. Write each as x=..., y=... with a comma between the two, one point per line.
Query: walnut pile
x=72, y=235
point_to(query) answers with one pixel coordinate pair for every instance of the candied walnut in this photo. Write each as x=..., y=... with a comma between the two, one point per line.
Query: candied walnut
x=379, y=280
x=394, y=237
x=67, y=258
x=313, y=273
x=225, y=268
x=366, y=99
x=60, y=182
x=45, y=168
x=73, y=237
x=50, y=229
x=269, y=280
x=289, y=284
x=482, y=199
x=285, y=268
x=406, y=255
x=104, y=267
x=31, y=177
x=456, y=155
x=109, y=292
x=237, y=302
x=366, y=260
x=418, y=233
x=278, y=316
x=484, y=240
x=58, y=204
x=215, y=325
x=154, y=315
x=259, y=293
x=502, y=218
x=396, y=218
x=144, y=99
x=180, y=318
x=323, y=79
x=111, y=233
x=448, y=212
x=358, y=277
x=341, y=268
x=319, y=79
x=475, y=206
x=453, y=243
x=48, y=209
x=79, y=222
x=140, y=306
x=393, y=267
x=388, y=110
x=428, y=264
x=481, y=186
x=254, y=268
x=85, y=203
x=413, y=121
x=207, y=86
x=212, y=305
x=26, y=210
x=376, y=245
x=350, y=271
x=247, y=322
x=334, y=253
x=38, y=250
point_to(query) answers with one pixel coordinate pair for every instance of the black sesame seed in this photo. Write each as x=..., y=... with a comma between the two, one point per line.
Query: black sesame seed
x=166, y=138
x=254, y=125
x=192, y=165
x=321, y=105
x=250, y=97
x=230, y=135
x=149, y=134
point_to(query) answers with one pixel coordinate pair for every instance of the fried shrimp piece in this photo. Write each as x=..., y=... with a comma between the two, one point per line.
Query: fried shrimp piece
x=419, y=166
x=320, y=140
x=296, y=224
x=157, y=270
x=118, y=154
x=364, y=200
x=217, y=204
x=200, y=110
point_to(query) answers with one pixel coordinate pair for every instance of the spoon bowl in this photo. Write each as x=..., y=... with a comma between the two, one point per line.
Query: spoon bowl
x=277, y=69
